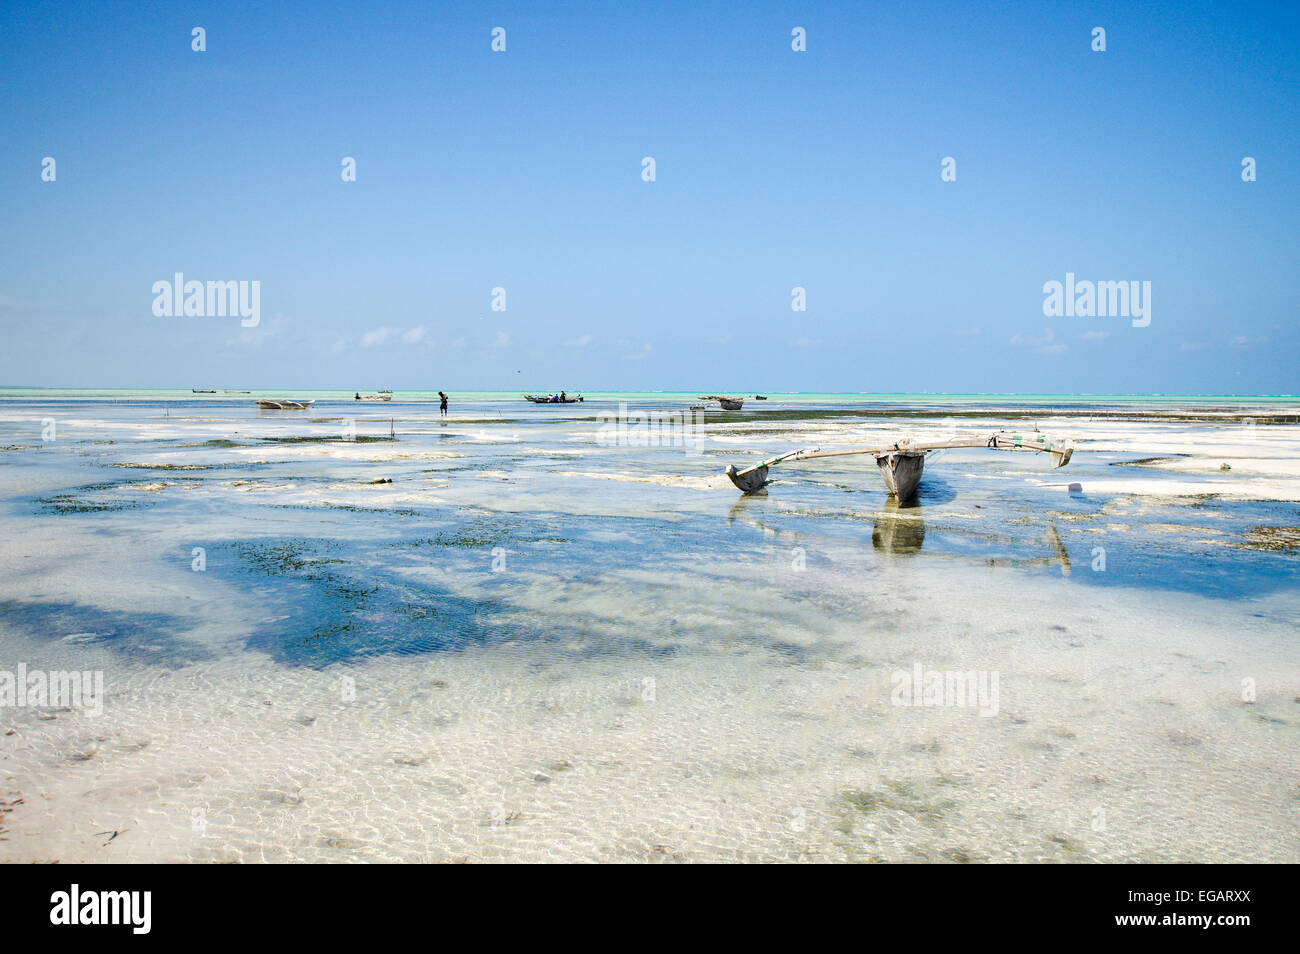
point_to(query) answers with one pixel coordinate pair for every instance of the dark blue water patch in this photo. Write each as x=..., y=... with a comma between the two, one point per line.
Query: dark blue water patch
x=341, y=606
x=1213, y=547
x=1171, y=548
x=156, y=639
x=350, y=599
x=1222, y=570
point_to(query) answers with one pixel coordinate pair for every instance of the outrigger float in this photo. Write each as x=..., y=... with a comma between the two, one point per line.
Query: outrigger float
x=901, y=464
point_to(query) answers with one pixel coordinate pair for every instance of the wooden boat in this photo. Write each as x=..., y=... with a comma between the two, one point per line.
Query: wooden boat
x=197, y=391
x=760, y=397
x=381, y=396
x=547, y=399
x=228, y=391
x=285, y=405
x=728, y=403
x=902, y=463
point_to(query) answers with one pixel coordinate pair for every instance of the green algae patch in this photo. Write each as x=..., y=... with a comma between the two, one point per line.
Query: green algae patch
x=1272, y=539
x=893, y=796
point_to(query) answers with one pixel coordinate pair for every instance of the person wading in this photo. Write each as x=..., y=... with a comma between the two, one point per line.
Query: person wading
x=442, y=404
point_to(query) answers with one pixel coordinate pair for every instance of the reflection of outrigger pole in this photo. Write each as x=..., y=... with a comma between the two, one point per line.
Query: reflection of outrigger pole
x=901, y=464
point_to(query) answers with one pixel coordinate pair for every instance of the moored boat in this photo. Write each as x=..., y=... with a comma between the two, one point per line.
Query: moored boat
x=284, y=405
x=728, y=403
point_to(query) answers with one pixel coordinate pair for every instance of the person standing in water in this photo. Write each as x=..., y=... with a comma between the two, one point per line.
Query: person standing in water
x=442, y=404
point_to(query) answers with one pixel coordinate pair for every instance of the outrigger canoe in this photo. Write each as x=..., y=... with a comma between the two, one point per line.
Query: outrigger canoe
x=901, y=464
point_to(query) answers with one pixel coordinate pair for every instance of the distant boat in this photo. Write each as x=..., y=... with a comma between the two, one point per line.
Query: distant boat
x=229, y=391
x=728, y=403
x=285, y=405
x=760, y=397
x=381, y=396
x=197, y=391
x=551, y=399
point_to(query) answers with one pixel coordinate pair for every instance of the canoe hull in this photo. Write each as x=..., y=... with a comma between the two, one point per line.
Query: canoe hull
x=750, y=482
x=902, y=472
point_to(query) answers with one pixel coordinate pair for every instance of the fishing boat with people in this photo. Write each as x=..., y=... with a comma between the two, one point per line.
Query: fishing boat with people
x=561, y=398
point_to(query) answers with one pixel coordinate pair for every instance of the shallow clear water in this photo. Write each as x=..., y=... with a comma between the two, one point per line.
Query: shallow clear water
x=532, y=645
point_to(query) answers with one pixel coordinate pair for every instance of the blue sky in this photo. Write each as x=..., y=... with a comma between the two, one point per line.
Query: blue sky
x=775, y=169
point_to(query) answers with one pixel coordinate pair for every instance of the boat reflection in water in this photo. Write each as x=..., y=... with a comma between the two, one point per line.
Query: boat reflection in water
x=899, y=527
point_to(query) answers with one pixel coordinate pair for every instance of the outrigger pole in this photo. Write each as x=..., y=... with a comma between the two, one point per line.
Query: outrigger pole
x=901, y=463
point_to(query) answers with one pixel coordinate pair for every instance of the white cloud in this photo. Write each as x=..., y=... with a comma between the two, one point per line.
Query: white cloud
x=1242, y=341
x=1094, y=336
x=1046, y=344
x=413, y=335
x=375, y=338
x=580, y=342
x=502, y=340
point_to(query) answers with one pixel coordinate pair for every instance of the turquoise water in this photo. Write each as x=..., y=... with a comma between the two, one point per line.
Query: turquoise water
x=495, y=637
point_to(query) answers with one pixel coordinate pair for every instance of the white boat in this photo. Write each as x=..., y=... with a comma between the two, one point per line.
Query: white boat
x=728, y=403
